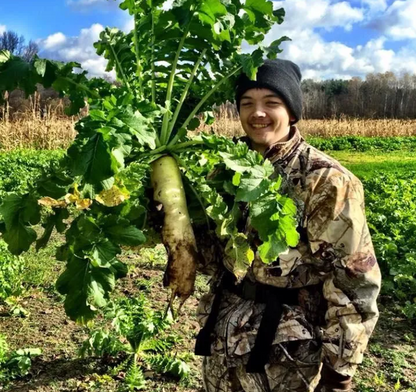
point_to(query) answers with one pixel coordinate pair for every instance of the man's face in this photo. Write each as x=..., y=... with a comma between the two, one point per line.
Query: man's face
x=265, y=117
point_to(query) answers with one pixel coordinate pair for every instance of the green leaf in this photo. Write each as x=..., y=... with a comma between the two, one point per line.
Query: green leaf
x=93, y=161
x=274, y=48
x=53, y=220
x=87, y=287
x=238, y=249
x=4, y=56
x=250, y=189
x=18, y=213
x=103, y=253
x=140, y=127
x=126, y=235
x=194, y=124
x=252, y=62
x=17, y=73
x=269, y=250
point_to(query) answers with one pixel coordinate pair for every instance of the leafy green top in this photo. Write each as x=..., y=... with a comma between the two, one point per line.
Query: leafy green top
x=174, y=64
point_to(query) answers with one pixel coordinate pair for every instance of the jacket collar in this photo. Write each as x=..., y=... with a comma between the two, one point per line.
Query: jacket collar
x=281, y=151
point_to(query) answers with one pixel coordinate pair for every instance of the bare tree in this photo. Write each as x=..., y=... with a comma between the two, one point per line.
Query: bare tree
x=31, y=50
x=11, y=41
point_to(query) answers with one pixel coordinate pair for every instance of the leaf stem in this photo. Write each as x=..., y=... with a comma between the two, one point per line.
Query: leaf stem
x=152, y=60
x=204, y=99
x=120, y=68
x=183, y=96
x=165, y=123
x=136, y=47
x=81, y=87
x=157, y=150
x=185, y=144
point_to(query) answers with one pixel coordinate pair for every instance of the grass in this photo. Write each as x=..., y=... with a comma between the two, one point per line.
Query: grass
x=366, y=164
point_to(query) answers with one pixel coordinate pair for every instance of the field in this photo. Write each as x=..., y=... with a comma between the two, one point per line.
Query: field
x=31, y=310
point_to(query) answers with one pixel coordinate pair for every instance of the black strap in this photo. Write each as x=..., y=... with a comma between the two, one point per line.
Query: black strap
x=273, y=297
x=260, y=353
x=203, y=340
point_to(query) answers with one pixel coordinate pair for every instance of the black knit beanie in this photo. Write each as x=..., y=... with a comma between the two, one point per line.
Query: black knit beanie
x=281, y=76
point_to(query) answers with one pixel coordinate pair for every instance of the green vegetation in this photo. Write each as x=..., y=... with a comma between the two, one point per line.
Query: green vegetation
x=11, y=273
x=369, y=164
x=360, y=143
x=147, y=344
x=391, y=206
x=15, y=363
x=19, y=169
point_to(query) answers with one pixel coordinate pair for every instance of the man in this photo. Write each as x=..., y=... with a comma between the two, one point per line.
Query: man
x=303, y=323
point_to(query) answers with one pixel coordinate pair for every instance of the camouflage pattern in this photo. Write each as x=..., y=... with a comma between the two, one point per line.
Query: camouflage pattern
x=334, y=267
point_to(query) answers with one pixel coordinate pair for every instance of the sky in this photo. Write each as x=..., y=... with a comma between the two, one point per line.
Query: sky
x=330, y=39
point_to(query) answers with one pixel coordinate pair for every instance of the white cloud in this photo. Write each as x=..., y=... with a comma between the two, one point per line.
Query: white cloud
x=128, y=25
x=80, y=49
x=301, y=14
x=2, y=29
x=54, y=40
x=320, y=59
x=398, y=20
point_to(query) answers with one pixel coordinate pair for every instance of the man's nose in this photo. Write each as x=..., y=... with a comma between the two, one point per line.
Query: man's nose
x=259, y=111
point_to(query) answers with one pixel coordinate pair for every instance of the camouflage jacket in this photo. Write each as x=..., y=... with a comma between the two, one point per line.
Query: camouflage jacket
x=333, y=265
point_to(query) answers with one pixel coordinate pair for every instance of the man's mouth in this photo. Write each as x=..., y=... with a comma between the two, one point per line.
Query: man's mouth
x=259, y=126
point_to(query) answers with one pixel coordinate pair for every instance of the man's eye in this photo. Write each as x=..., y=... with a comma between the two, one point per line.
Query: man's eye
x=246, y=104
x=273, y=103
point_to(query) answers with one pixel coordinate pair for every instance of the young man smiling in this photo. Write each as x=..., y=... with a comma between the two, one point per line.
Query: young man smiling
x=265, y=118
x=301, y=324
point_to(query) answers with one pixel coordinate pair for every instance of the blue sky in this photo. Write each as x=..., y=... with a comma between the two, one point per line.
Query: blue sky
x=330, y=38
x=37, y=19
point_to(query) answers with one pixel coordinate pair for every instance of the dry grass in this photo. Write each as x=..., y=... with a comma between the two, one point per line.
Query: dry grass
x=358, y=127
x=228, y=124
x=51, y=129
x=48, y=128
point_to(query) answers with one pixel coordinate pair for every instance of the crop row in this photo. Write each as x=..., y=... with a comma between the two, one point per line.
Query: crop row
x=360, y=143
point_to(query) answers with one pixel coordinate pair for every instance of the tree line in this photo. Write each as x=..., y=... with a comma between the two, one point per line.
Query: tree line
x=382, y=95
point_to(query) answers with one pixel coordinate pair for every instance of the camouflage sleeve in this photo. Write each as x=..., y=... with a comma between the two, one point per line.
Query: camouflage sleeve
x=210, y=252
x=338, y=235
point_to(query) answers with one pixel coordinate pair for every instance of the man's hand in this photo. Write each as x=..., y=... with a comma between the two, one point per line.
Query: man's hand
x=331, y=381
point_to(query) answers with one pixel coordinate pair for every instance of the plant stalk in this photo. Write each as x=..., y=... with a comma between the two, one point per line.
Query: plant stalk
x=177, y=147
x=204, y=99
x=121, y=69
x=136, y=47
x=184, y=94
x=165, y=123
x=81, y=87
x=152, y=60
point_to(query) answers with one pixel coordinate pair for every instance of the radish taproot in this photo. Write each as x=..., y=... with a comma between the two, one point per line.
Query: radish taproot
x=177, y=233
